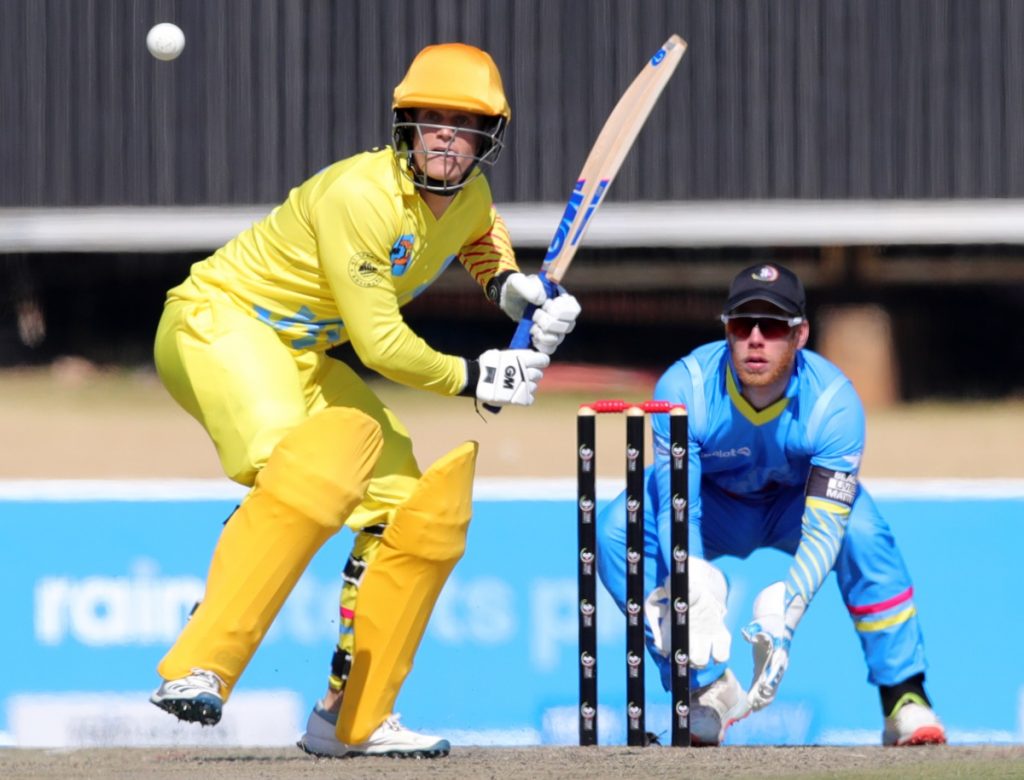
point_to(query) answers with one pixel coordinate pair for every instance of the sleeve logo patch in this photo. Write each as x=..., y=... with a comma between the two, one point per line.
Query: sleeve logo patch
x=841, y=487
x=401, y=254
x=363, y=270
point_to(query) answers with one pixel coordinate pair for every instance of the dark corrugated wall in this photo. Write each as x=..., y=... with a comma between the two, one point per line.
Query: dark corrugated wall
x=775, y=98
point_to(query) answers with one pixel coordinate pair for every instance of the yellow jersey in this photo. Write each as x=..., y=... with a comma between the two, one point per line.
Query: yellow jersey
x=340, y=257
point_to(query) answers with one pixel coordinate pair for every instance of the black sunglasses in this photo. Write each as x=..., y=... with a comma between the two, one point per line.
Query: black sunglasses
x=740, y=326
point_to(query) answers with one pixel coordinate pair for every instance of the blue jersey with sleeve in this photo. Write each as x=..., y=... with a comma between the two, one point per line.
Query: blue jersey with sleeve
x=751, y=467
x=819, y=421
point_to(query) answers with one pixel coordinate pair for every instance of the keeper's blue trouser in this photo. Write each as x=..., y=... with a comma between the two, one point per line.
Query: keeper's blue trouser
x=872, y=577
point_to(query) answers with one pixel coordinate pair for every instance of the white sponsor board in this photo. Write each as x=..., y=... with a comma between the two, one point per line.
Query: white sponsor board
x=127, y=719
x=484, y=489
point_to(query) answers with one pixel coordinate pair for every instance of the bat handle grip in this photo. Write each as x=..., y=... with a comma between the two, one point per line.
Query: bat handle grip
x=521, y=338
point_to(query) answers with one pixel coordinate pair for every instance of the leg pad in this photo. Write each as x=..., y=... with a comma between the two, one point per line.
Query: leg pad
x=315, y=477
x=419, y=549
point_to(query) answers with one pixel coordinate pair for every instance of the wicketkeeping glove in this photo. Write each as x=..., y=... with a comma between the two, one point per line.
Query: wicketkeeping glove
x=710, y=639
x=771, y=633
x=509, y=376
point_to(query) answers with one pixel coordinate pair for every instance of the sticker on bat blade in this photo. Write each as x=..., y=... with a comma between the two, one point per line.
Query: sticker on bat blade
x=662, y=53
x=595, y=201
x=571, y=208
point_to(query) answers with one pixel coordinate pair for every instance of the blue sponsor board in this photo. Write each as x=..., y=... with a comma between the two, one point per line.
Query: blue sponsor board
x=97, y=589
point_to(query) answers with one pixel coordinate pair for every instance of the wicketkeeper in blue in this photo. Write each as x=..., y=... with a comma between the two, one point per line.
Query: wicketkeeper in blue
x=776, y=434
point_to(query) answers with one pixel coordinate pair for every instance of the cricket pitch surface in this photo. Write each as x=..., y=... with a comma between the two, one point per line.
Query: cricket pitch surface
x=539, y=762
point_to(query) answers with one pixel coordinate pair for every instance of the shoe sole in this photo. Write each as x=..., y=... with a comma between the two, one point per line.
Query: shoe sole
x=697, y=743
x=205, y=710
x=319, y=752
x=414, y=754
x=439, y=751
x=926, y=735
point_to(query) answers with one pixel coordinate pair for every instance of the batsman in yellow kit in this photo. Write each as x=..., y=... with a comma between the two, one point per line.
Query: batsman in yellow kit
x=242, y=346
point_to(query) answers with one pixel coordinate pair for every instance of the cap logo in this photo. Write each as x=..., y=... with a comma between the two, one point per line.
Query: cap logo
x=766, y=273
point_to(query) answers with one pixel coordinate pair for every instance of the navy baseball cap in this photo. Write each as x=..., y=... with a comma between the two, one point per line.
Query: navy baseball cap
x=768, y=282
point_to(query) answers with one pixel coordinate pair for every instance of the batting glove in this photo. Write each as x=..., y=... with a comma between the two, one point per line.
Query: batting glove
x=515, y=291
x=508, y=376
x=553, y=321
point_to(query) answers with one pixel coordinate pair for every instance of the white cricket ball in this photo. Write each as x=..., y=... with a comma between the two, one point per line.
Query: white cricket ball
x=165, y=41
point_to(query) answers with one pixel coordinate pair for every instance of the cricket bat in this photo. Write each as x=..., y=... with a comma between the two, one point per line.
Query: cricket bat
x=606, y=157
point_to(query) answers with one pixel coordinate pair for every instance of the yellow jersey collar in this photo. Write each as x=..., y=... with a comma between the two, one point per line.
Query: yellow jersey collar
x=757, y=417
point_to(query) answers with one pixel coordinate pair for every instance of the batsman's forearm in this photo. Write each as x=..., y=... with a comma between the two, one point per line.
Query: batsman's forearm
x=821, y=535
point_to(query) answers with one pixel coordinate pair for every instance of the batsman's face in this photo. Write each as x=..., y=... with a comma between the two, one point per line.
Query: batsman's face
x=764, y=359
x=446, y=143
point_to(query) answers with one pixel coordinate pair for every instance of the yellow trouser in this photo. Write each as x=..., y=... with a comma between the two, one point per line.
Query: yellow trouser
x=248, y=390
x=315, y=477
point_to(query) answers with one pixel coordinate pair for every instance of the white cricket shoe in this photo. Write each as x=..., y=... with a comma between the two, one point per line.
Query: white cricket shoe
x=195, y=698
x=913, y=722
x=391, y=739
x=716, y=707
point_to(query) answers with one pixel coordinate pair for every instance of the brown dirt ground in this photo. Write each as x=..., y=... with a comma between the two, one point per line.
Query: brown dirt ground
x=75, y=421
x=543, y=762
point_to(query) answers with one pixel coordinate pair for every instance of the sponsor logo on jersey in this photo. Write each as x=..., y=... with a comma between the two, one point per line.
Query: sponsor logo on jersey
x=363, y=270
x=734, y=452
x=401, y=254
